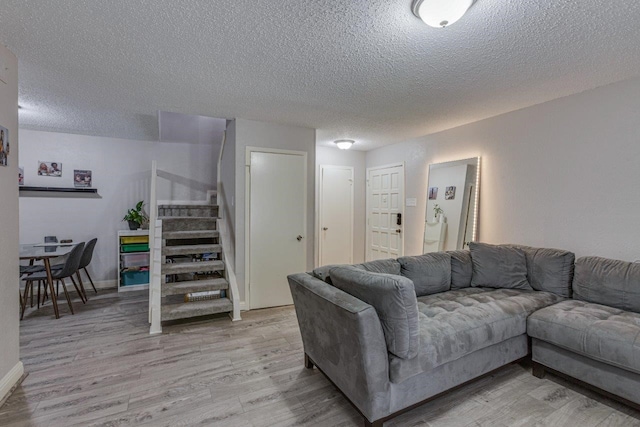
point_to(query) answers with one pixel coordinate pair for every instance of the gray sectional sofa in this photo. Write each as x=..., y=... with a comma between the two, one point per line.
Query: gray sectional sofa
x=392, y=334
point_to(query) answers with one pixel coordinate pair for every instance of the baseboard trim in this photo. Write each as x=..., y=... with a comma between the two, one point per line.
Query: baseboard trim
x=243, y=306
x=103, y=284
x=10, y=381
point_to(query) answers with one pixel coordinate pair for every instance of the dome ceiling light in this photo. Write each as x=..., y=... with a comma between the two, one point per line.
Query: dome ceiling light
x=440, y=13
x=344, y=144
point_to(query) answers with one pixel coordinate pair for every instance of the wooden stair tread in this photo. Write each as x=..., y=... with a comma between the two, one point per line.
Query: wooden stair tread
x=196, y=308
x=191, y=249
x=181, y=288
x=190, y=234
x=192, y=267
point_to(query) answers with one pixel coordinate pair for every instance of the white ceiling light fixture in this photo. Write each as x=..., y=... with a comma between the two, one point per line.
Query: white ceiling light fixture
x=440, y=13
x=344, y=144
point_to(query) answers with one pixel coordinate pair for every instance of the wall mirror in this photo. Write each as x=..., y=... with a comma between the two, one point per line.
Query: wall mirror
x=452, y=205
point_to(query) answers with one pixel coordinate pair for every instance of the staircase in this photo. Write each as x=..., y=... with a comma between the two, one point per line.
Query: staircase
x=191, y=261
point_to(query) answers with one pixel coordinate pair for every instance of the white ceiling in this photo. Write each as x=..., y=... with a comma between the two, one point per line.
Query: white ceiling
x=366, y=70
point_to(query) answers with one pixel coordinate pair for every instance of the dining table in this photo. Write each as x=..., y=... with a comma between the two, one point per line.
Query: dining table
x=45, y=252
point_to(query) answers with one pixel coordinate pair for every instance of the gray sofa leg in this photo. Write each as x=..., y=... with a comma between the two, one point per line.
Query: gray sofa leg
x=368, y=423
x=308, y=363
x=538, y=370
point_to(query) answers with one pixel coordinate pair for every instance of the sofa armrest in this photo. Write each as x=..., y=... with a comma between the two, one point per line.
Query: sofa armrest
x=343, y=336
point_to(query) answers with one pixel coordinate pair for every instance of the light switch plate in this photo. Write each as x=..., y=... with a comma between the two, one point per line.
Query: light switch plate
x=411, y=202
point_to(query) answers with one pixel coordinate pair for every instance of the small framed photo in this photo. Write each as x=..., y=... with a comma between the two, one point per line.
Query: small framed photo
x=82, y=178
x=450, y=193
x=433, y=193
x=49, y=169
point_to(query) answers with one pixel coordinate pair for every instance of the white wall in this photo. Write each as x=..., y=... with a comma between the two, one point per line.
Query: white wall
x=121, y=173
x=357, y=160
x=250, y=133
x=10, y=366
x=560, y=174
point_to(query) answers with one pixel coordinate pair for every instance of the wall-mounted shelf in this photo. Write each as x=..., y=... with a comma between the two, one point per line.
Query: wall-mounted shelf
x=91, y=193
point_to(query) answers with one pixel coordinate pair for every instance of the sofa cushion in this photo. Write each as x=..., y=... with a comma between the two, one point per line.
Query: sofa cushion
x=600, y=332
x=609, y=282
x=549, y=270
x=461, y=269
x=456, y=323
x=430, y=273
x=498, y=266
x=394, y=299
x=386, y=266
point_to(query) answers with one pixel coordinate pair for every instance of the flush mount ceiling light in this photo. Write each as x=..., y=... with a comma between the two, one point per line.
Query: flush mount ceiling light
x=440, y=13
x=344, y=144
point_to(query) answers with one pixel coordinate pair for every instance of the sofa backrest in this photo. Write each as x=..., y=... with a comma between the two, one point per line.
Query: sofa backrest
x=549, y=270
x=461, y=269
x=386, y=266
x=394, y=299
x=430, y=273
x=608, y=282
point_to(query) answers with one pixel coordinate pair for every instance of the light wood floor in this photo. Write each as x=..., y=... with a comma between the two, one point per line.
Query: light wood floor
x=101, y=368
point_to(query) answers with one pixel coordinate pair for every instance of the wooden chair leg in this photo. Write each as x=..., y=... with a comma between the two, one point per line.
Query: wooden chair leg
x=58, y=289
x=84, y=291
x=90, y=280
x=66, y=294
x=23, y=301
x=45, y=293
x=75, y=285
x=31, y=286
x=39, y=283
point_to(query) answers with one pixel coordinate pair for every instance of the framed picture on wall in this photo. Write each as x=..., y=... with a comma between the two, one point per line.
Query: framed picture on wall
x=450, y=193
x=4, y=146
x=49, y=168
x=82, y=178
x=433, y=193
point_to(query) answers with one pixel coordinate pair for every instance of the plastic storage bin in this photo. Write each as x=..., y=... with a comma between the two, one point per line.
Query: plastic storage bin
x=130, y=278
x=125, y=240
x=135, y=260
x=138, y=247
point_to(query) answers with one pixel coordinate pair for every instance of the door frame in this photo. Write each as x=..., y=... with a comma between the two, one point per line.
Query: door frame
x=247, y=210
x=367, y=237
x=319, y=210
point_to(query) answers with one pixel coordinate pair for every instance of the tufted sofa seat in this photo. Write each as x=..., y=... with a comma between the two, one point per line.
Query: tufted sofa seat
x=597, y=331
x=456, y=323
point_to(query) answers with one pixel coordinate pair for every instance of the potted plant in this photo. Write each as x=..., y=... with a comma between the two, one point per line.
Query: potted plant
x=136, y=217
x=438, y=213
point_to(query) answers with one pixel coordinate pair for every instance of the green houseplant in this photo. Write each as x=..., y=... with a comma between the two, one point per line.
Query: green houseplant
x=136, y=217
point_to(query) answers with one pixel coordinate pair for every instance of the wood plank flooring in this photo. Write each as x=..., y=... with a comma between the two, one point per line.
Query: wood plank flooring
x=101, y=368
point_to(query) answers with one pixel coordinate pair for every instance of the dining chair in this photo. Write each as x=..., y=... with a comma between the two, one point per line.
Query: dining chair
x=87, y=256
x=68, y=270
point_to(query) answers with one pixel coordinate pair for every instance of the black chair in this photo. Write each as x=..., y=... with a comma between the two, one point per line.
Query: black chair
x=87, y=256
x=70, y=268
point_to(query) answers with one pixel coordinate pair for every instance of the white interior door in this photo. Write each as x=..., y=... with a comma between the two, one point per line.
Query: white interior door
x=277, y=225
x=385, y=196
x=336, y=215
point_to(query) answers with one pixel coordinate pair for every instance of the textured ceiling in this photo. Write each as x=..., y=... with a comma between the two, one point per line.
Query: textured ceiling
x=366, y=70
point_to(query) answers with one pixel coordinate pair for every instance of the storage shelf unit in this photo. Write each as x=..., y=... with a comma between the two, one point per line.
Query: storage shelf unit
x=133, y=260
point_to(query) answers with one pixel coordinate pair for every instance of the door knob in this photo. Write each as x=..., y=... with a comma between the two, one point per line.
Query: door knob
x=399, y=231
x=299, y=237
x=325, y=228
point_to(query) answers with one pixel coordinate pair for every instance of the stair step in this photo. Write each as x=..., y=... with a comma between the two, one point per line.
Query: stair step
x=188, y=223
x=192, y=267
x=190, y=234
x=195, y=309
x=188, y=210
x=191, y=249
x=181, y=288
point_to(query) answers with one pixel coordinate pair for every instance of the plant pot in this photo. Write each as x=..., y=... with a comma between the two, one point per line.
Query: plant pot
x=133, y=225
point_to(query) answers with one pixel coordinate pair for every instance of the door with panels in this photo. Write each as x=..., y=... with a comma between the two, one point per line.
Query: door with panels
x=385, y=196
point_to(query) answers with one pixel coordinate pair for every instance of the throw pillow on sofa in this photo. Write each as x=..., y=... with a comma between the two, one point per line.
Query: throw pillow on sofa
x=461, y=269
x=498, y=266
x=394, y=299
x=430, y=273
